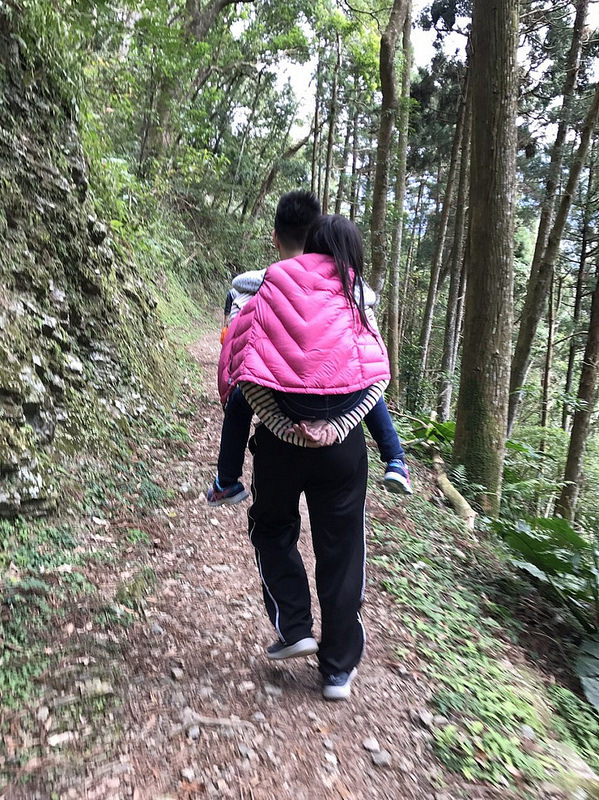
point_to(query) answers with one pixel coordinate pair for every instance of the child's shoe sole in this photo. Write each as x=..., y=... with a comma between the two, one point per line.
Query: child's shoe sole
x=396, y=484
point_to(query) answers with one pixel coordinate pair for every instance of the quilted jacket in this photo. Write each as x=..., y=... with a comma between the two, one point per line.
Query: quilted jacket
x=300, y=334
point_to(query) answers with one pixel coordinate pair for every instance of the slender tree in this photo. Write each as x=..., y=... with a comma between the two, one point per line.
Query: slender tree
x=580, y=280
x=539, y=276
x=433, y=286
x=566, y=504
x=452, y=321
x=400, y=193
x=332, y=128
x=389, y=104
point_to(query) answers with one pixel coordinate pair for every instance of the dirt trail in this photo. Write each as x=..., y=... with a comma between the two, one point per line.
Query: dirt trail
x=215, y=718
x=203, y=713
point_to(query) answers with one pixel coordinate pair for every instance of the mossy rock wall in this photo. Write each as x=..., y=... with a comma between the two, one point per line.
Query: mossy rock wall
x=81, y=347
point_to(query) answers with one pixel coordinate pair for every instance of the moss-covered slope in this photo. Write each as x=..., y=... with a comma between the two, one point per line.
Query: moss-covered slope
x=81, y=346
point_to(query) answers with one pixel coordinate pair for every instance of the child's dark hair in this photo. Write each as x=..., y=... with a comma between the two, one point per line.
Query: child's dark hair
x=296, y=211
x=336, y=236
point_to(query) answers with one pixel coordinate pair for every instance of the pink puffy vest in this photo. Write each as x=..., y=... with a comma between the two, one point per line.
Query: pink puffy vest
x=300, y=334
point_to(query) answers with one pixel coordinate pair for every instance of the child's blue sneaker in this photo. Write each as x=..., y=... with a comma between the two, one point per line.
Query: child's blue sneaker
x=397, y=477
x=230, y=495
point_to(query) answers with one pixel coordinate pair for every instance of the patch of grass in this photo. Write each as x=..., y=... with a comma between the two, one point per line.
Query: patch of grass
x=179, y=311
x=136, y=536
x=577, y=722
x=489, y=708
x=36, y=577
x=131, y=593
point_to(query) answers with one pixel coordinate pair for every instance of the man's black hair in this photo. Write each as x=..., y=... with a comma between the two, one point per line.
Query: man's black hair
x=296, y=211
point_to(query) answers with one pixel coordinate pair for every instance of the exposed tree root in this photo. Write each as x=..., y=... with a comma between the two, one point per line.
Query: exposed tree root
x=459, y=504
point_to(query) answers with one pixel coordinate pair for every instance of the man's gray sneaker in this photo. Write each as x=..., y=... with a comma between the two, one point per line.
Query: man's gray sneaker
x=338, y=687
x=279, y=650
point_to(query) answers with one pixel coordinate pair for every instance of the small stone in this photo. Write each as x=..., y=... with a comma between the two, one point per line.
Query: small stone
x=194, y=732
x=246, y=686
x=188, y=774
x=245, y=751
x=528, y=733
x=157, y=629
x=258, y=717
x=371, y=745
x=331, y=758
x=439, y=721
x=550, y=789
x=426, y=718
x=58, y=739
x=177, y=673
x=273, y=691
x=381, y=759
x=329, y=744
x=178, y=700
x=43, y=713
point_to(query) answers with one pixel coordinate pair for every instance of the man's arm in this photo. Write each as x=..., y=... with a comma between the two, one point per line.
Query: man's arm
x=318, y=433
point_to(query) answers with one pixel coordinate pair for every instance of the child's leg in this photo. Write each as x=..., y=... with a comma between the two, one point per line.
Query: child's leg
x=379, y=423
x=234, y=438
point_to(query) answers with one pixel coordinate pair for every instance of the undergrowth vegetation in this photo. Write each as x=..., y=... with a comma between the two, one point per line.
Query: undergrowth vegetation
x=562, y=559
x=495, y=716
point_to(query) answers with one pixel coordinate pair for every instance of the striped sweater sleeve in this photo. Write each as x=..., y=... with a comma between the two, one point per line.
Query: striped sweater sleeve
x=347, y=422
x=266, y=408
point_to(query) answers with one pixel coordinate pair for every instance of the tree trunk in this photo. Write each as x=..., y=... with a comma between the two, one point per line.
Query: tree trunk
x=400, y=193
x=460, y=311
x=483, y=397
x=456, y=270
x=553, y=309
x=246, y=133
x=342, y=175
x=539, y=279
x=353, y=191
x=332, y=127
x=416, y=223
x=315, y=147
x=272, y=173
x=566, y=505
x=431, y=299
x=566, y=410
x=537, y=290
x=389, y=104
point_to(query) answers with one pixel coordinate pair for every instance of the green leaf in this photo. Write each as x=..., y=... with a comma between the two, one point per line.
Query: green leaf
x=591, y=690
x=590, y=647
x=531, y=569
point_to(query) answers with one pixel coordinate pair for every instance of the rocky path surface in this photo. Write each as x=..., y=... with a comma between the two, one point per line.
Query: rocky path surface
x=198, y=711
x=210, y=716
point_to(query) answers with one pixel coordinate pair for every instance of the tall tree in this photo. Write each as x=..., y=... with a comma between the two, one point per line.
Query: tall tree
x=389, y=104
x=539, y=277
x=433, y=286
x=332, y=128
x=580, y=281
x=566, y=504
x=481, y=418
x=456, y=268
x=400, y=193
